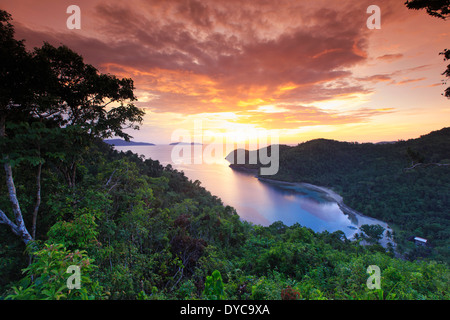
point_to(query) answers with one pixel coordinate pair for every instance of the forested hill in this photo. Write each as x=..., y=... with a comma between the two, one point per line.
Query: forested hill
x=405, y=183
x=139, y=230
x=329, y=162
x=80, y=220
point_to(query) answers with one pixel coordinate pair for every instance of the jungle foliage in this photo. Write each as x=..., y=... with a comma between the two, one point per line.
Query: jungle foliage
x=404, y=183
x=139, y=230
x=143, y=231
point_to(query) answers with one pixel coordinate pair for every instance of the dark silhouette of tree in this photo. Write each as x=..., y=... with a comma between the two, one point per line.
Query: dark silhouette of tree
x=373, y=231
x=439, y=9
x=14, y=89
x=81, y=96
x=415, y=156
x=435, y=8
x=446, y=54
x=52, y=107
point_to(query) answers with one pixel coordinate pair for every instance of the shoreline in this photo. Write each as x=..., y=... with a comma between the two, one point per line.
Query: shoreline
x=334, y=196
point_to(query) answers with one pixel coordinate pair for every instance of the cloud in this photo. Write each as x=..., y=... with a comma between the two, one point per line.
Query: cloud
x=390, y=57
x=390, y=78
x=377, y=78
x=297, y=116
x=406, y=81
x=277, y=64
x=435, y=85
x=188, y=53
x=192, y=57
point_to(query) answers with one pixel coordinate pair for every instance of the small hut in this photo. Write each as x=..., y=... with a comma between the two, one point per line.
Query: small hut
x=420, y=241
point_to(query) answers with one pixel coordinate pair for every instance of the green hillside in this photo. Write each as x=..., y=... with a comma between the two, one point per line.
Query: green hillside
x=81, y=221
x=143, y=231
x=405, y=183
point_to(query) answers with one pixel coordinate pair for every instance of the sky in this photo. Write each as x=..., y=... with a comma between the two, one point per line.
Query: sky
x=297, y=69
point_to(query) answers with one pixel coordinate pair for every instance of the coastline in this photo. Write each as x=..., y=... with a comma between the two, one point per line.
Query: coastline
x=332, y=195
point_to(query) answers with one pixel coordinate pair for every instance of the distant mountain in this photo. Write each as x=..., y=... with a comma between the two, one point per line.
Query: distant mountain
x=121, y=143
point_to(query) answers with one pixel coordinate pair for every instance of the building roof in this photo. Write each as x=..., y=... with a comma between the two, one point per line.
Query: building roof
x=420, y=239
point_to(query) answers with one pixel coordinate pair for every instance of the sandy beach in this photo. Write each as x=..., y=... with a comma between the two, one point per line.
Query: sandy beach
x=355, y=215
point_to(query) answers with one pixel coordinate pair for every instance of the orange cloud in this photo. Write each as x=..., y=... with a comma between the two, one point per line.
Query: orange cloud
x=295, y=117
x=390, y=57
x=194, y=57
x=409, y=81
x=192, y=54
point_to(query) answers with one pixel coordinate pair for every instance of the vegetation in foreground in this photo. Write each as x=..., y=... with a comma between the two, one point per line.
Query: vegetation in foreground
x=135, y=229
x=142, y=231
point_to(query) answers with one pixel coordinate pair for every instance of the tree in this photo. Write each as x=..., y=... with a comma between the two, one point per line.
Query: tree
x=47, y=277
x=14, y=88
x=373, y=231
x=415, y=156
x=214, y=286
x=446, y=54
x=82, y=94
x=439, y=9
x=88, y=104
x=52, y=92
x=435, y=8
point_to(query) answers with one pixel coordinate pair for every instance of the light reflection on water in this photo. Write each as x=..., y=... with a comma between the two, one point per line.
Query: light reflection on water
x=257, y=201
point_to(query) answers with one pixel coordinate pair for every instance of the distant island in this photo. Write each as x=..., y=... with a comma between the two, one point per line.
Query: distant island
x=121, y=143
x=184, y=143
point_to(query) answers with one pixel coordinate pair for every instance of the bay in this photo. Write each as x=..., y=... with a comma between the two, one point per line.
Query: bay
x=256, y=201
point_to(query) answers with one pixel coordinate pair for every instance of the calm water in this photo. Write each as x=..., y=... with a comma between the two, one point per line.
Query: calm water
x=256, y=201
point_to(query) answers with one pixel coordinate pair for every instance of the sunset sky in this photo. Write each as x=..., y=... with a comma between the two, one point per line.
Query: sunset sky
x=302, y=69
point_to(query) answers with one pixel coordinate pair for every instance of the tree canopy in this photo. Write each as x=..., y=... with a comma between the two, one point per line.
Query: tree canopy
x=435, y=8
x=404, y=183
x=138, y=230
x=52, y=105
x=439, y=9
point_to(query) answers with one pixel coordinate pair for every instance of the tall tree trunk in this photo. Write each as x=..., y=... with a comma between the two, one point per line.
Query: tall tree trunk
x=23, y=232
x=69, y=172
x=74, y=174
x=19, y=226
x=38, y=201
